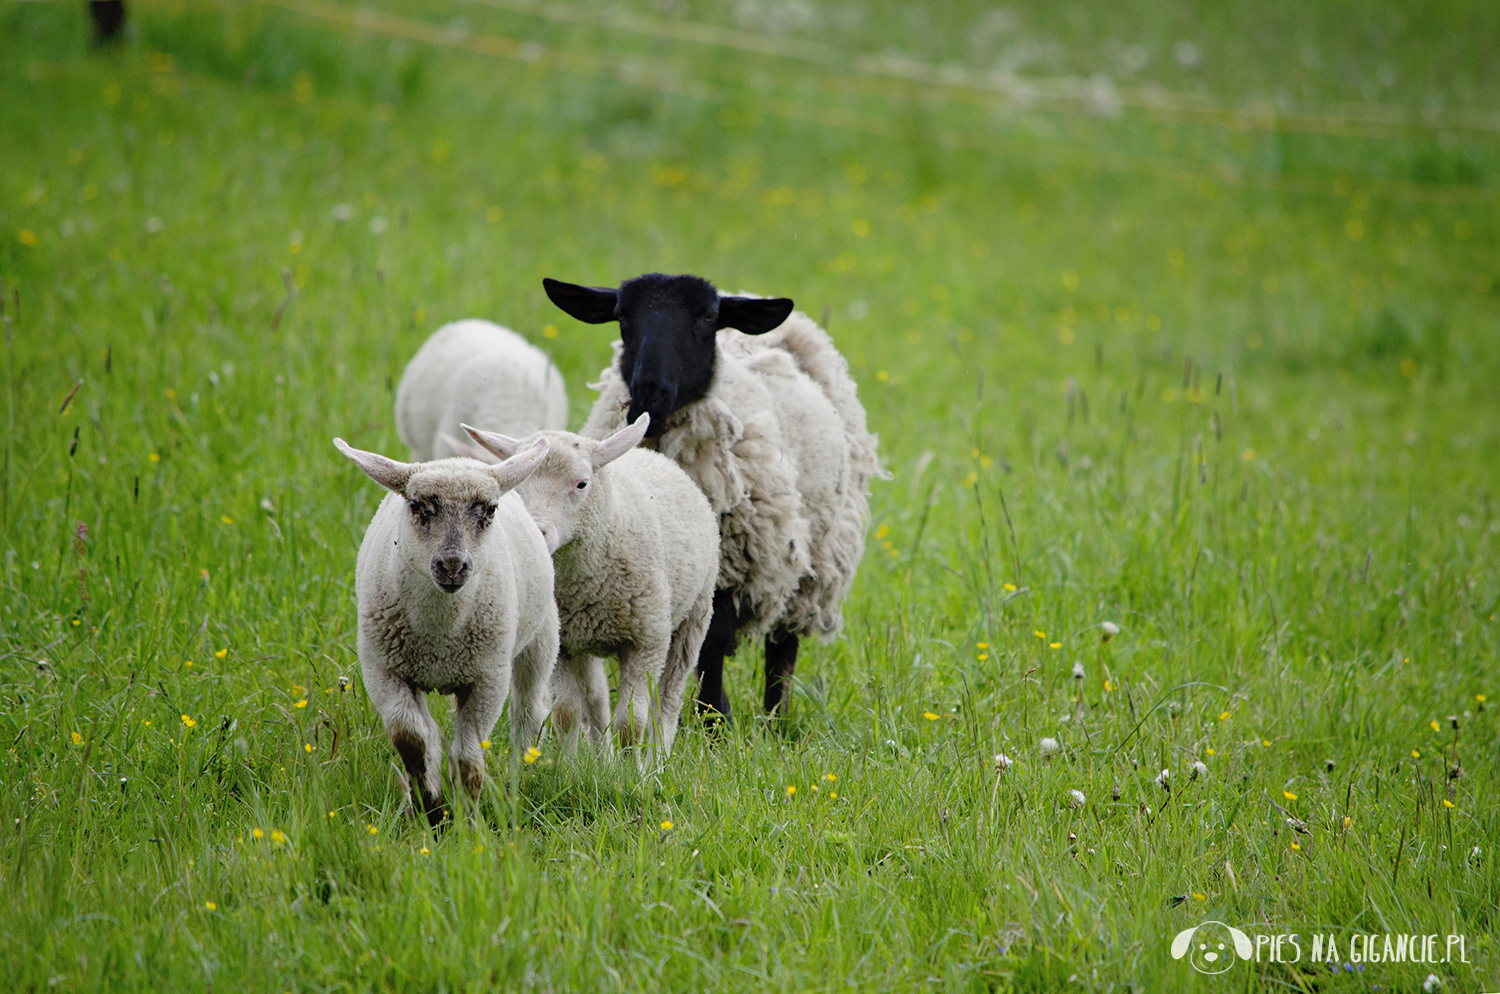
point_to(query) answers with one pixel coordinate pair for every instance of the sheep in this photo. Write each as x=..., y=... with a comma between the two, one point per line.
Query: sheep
x=479, y=372
x=770, y=428
x=635, y=553
x=454, y=584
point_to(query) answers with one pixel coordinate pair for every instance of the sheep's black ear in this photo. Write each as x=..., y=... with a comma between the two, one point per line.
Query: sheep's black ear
x=589, y=304
x=753, y=315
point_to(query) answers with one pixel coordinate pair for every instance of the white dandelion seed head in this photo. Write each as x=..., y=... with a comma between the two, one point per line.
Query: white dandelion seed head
x=1002, y=762
x=1432, y=983
x=1109, y=630
x=1076, y=798
x=1048, y=747
x=1164, y=778
x=1077, y=671
x=1200, y=769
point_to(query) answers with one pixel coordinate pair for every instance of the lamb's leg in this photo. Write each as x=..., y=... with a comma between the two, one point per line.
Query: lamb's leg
x=713, y=703
x=687, y=642
x=415, y=735
x=580, y=699
x=478, y=707
x=781, y=663
x=531, y=684
x=640, y=681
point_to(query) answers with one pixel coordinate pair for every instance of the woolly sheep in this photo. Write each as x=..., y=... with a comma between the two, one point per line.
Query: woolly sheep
x=455, y=595
x=757, y=405
x=479, y=372
x=635, y=551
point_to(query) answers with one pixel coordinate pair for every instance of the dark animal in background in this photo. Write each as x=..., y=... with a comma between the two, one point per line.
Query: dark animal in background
x=756, y=404
x=108, y=17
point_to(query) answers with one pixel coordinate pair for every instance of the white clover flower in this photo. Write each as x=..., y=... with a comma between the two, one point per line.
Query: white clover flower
x=1077, y=671
x=1048, y=747
x=1076, y=799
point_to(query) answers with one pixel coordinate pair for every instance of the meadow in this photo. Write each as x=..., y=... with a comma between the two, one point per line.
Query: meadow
x=1181, y=317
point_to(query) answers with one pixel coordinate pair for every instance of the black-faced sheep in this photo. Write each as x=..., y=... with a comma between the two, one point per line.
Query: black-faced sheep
x=756, y=404
x=455, y=595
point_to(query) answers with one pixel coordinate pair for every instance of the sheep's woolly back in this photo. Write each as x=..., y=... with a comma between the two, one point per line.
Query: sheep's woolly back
x=780, y=448
x=476, y=372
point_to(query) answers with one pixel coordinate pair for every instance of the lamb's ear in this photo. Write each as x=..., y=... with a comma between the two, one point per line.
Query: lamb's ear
x=388, y=473
x=589, y=304
x=753, y=315
x=503, y=446
x=513, y=471
x=621, y=441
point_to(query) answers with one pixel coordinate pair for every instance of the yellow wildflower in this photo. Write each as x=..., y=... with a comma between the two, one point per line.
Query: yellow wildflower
x=256, y=833
x=77, y=739
x=221, y=653
x=1288, y=795
x=790, y=790
x=189, y=722
x=929, y=716
x=371, y=829
x=278, y=837
x=211, y=906
x=301, y=704
x=532, y=754
x=666, y=825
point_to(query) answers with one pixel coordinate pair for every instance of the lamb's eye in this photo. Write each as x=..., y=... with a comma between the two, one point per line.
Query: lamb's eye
x=582, y=484
x=415, y=505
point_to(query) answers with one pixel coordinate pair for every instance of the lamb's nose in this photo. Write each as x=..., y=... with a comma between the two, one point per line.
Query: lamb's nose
x=453, y=563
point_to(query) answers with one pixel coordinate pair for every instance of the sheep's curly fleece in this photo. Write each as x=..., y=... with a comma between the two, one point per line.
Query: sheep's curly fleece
x=780, y=448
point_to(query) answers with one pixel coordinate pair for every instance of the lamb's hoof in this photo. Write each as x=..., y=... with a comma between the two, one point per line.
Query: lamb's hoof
x=434, y=809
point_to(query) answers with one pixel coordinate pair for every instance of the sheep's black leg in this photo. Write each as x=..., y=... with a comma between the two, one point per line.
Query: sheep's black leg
x=781, y=663
x=108, y=17
x=713, y=703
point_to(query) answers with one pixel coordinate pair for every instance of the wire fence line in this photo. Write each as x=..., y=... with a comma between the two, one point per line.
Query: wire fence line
x=656, y=74
x=1058, y=94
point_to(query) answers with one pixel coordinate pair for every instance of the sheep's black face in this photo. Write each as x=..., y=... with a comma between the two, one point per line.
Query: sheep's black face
x=667, y=327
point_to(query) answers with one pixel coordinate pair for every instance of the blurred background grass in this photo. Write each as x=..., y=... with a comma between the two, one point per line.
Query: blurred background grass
x=1207, y=292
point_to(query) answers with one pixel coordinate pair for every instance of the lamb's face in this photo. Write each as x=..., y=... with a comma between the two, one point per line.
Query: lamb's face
x=558, y=491
x=447, y=516
x=667, y=326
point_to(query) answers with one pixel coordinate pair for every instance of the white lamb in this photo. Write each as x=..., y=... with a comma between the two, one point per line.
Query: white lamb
x=455, y=595
x=479, y=372
x=757, y=405
x=635, y=550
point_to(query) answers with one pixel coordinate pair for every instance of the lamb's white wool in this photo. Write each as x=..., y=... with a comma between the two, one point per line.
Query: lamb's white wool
x=635, y=549
x=780, y=448
x=477, y=372
x=455, y=595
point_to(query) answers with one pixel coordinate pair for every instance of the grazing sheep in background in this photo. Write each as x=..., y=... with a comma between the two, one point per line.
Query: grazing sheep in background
x=769, y=427
x=477, y=372
x=635, y=552
x=455, y=595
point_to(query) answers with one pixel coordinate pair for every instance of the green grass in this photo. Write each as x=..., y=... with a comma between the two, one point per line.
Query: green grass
x=1230, y=386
